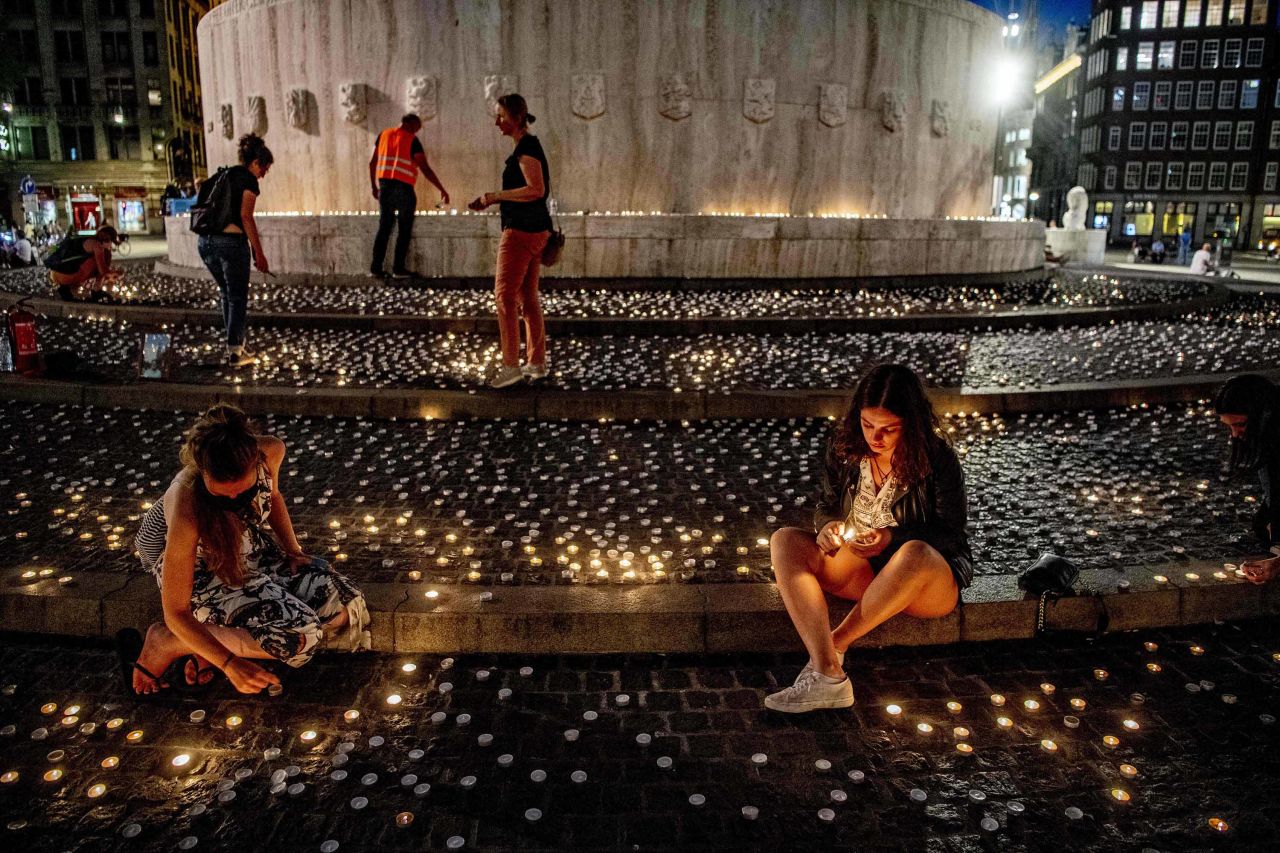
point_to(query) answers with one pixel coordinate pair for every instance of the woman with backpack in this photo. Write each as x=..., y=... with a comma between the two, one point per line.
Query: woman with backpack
x=82, y=264
x=223, y=217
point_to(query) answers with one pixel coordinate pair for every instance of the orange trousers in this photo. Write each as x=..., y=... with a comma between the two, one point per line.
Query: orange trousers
x=516, y=289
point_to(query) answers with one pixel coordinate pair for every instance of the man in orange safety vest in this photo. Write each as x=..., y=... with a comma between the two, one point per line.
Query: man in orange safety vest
x=393, y=167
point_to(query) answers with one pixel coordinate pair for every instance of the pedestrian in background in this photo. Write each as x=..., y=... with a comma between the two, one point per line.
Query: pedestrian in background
x=397, y=156
x=230, y=196
x=1184, y=247
x=526, y=228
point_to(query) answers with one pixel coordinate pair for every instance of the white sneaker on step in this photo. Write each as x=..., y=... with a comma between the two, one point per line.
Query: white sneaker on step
x=839, y=659
x=506, y=377
x=534, y=372
x=811, y=692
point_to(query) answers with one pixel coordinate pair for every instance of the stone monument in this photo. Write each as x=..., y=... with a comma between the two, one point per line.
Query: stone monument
x=1073, y=242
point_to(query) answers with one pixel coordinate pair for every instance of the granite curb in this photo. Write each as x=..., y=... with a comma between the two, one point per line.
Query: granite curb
x=552, y=403
x=671, y=618
x=603, y=326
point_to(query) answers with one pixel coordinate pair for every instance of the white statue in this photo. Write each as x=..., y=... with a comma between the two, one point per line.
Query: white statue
x=422, y=96
x=353, y=99
x=1077, y=209
x=297, y=108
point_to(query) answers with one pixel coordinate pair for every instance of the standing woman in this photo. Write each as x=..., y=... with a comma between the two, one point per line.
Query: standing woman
x=888, y=533
x=227, y=254
x=1249, y=406
x=235, y=585
x=526, y=227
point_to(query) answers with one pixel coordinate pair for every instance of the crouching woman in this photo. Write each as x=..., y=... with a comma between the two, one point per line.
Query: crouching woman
x=235, y=585
x=889, y=533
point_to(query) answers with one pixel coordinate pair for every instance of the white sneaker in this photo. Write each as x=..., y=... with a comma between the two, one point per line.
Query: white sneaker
x=839, y=659
x=506, y=377
x=534, y=372
x=812, y=691
x=244, y=358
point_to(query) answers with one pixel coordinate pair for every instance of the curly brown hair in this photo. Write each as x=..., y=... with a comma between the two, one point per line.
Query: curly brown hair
x=222, y=444
x=896, y=388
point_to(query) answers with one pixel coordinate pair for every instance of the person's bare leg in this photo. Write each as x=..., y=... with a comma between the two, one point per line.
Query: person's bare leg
x=338, y=621
x=916, y=580
x=160, y=648
x=797, y=563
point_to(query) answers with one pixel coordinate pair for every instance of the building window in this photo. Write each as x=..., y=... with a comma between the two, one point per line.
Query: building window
x=1239, y=177
x=1259, y=15
x=150, y=49
x=1273, y=140
x=1226, y=94
x=1213, y=13
x=1126, y=17
x=1142, y=95
x=32, y=142
x=1209, y=53
x=77, y=142
x=1109, y=178
x=1269, y=177
x=1122, y=58
x=25, y=45
x=1217, y=176
x=1195, y=176
x=122, y=142
x=1178, y=136
x=1132, y=176
x=1231, y=53
x=1191, y=18
x=1244, y=135
x=67, y=8
x=120, y=91
x=68, y=45
x=1159, y=130
x=1145, y=56
x=74, y=90
x=1154, y=170
x=1204, y=95
x=1249, y=94
x=1150, y=14
x=1086, y=176
x=113, y=8
x=1113, y=137
x=1117, y=98
x=1187, y=54
x=1253, y=52
x=1235, y=12
x=1221, y=136
x=1161, y=99
x=1173, y=176
x=1137, y=135
x=1200, y=135
x=1182, y=95
x=1164, y=59
x=1169, y=18
x=115, y=48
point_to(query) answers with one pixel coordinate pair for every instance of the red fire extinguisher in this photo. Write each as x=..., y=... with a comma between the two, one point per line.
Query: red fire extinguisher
x=23, y=340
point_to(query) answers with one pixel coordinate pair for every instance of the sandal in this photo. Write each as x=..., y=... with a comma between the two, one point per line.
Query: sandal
x=129, y=645
x=204, y=674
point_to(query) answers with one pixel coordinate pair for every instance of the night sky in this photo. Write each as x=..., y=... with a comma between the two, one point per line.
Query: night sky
x=1054, y=14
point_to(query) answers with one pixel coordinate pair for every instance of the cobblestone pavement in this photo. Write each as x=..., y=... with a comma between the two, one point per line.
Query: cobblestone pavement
x=1243, y=335
x=572, y=502
x=1056, y=291
x=633, y=753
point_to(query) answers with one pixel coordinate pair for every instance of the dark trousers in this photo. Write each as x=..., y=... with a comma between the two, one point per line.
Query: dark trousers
x=396, y=203
x=227, y=257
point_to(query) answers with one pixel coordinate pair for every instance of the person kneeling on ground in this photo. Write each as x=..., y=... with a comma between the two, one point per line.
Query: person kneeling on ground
x=1249, y=406
x=81, y=264
x=889, y=533
x=234, y=582
x=1202, y=261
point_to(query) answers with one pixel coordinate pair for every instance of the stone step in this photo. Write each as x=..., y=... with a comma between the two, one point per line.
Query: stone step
x=667, y=618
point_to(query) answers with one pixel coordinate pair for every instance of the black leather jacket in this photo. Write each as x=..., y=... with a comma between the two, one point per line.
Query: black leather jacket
x=934, y=511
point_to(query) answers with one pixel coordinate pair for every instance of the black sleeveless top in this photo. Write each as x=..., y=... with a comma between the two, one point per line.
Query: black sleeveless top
x=529, y=216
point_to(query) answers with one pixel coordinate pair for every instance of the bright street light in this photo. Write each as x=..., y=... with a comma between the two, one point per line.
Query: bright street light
x=1007, y=79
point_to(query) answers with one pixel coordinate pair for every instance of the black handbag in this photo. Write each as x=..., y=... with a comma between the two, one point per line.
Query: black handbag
x=1051, y=574
x=214, y=208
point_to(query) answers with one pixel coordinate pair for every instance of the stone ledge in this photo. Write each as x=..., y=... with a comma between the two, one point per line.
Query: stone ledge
x=669, y=619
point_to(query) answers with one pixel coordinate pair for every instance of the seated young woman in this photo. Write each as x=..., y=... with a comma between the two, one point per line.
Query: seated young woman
x=235, y=585
x=1249, y=406
x=888, y=533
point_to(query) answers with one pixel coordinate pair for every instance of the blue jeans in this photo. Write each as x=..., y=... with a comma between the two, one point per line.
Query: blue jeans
x=396, y=203
x=227, y=257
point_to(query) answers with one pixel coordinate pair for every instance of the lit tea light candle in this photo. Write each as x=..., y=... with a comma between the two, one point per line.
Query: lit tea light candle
x=924, y=728
x=1150, y=646
x=96, y=790
x=960, y=732
x=1047, y=689
x=1004, y=722
x=1159, y=578
x=1197, y=650
x=997, y=700
x=1192, y=576
x=475, y=576
x=1100, y=674
x=234, y=721
x=415, y=575
x=308, y=736
x=182, y=759
x=409, y=667
x=1078, y=704
x=1219, y=824
x=1120, y=795
x=134, y=736
x=404, y=819
x=1110, y=741
x=954, y=707
x=964, y=748
x=1031, y=705
x=1154, y=667
x=111, y=762
x=115, y=723
x=351, y=716
x=1128, y=771
x=1131, y=725
x=48, y=708
x=8, y=777
x=893, y=710
x=394, y=699
x=1048, y=745
x=431, y=594
x=53, y=775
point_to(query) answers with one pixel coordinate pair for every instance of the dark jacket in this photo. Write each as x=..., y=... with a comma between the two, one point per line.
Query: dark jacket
x=934, y=511
x=1266, y=521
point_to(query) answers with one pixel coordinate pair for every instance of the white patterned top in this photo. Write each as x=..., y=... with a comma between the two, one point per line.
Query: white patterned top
x=872, y=510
